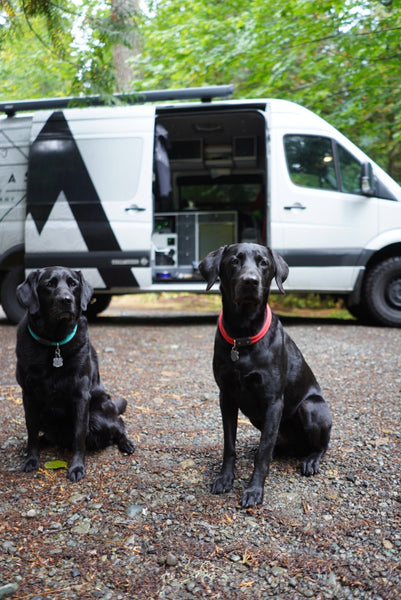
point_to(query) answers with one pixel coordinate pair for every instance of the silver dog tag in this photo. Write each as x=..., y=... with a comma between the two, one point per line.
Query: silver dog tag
x=234, y=354
x=58, y=359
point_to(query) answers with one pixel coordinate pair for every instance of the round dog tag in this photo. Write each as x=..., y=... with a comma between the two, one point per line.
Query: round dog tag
x=57, y=359
x=234, y=354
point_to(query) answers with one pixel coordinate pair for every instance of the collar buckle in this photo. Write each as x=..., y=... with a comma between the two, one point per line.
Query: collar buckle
x=245, y=341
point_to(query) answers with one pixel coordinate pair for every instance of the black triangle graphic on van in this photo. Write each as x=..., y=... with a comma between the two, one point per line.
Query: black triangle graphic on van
x=56, y=165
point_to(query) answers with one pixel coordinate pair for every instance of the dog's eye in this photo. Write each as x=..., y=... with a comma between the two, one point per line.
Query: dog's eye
x=262, y=262
x=51, y=283
x=72, y=283
x=235, y=260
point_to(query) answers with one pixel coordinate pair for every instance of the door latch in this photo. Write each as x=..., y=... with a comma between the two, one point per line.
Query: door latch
x=135, y=207
x=296, y=205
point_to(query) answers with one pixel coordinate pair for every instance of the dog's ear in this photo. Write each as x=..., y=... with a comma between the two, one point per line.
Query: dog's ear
x=27, y=292
x=86, y=291
x=281, y=270
x=209, y=267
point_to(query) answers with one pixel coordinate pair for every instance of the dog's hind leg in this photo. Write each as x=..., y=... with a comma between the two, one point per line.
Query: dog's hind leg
x=105, y=425
x=105, y=431
x=315, y=418
x=124, y=444
x=121, y=405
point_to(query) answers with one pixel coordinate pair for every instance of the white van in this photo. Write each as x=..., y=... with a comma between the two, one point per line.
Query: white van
x=135, y=196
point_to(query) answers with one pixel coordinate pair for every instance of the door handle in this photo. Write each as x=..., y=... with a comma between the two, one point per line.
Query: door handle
x=135, y=207
x=296, y=205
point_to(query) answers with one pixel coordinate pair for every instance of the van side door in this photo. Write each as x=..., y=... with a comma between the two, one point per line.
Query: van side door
x=324, y=218
x=90, y=194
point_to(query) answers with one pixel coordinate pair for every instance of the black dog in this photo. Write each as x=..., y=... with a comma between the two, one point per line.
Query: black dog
x=260, y=370
x=57, y=369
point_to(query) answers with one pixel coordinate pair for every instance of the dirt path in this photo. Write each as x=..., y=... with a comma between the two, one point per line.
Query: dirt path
x=147, y=527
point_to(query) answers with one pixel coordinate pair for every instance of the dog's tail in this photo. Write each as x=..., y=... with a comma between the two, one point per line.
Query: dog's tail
x=121, y=405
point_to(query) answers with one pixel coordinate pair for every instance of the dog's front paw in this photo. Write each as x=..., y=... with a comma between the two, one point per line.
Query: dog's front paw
x=252, y=496
x=126, y=446
x=76, y=473
x=223, y=483
x=310, y=466
x=31, y=464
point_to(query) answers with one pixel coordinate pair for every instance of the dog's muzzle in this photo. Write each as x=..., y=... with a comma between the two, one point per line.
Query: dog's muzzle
x=64, y=306
x=248, y=290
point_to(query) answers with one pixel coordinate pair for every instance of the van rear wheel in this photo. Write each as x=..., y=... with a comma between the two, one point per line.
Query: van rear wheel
x=8, y=296
x=359, y=311
x=382, y=292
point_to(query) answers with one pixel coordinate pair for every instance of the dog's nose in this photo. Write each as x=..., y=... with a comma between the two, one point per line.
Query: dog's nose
x=65, y=299
x=251, y=280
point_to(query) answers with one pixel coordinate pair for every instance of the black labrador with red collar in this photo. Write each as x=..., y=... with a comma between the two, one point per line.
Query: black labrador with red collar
x=57, y=369
x=264, y=376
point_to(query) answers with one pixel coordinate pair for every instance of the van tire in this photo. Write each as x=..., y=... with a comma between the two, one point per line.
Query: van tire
x=98, y=304
x=382, y=292
x=8, y=295
x=360, y=312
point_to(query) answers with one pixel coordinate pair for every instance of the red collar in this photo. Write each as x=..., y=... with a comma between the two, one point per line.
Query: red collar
x=246, y=341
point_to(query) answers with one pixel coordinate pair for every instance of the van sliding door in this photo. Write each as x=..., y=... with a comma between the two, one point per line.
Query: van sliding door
x=90, y=194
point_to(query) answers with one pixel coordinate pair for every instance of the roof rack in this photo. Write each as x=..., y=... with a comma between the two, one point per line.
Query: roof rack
x=205, y=94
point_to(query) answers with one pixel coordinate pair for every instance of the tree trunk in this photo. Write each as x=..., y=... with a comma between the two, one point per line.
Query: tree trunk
x=123, y=11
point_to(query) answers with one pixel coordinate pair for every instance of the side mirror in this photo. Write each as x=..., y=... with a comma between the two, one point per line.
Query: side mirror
x=367, y=179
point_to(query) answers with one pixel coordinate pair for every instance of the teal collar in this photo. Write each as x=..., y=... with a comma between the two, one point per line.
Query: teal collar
x=45, y=342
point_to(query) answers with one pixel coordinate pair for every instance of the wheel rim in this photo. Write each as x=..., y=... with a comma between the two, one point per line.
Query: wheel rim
x=394, y=293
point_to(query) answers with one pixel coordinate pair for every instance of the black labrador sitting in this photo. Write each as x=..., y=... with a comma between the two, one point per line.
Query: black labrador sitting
x=260, y=370
x=57, y=369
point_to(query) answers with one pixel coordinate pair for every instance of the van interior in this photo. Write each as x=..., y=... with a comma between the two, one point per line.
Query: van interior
x=209, y=186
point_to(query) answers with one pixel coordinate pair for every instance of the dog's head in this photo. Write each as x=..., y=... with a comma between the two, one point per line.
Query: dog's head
x=245, y=271
x=55, y=292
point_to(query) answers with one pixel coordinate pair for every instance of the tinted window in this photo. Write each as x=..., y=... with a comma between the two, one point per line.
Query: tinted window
x=350, y=170
x=310, y=161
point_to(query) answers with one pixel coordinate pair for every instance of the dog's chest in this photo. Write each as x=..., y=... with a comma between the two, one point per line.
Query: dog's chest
x=46, y=381
x=251, y=380
x=244, y=376
x=48, y=385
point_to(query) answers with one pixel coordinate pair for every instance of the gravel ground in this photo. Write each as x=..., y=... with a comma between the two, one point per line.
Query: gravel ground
x=146, y=525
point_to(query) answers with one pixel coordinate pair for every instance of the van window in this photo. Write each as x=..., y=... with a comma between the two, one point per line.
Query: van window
x=350, y=170
x=310, y=161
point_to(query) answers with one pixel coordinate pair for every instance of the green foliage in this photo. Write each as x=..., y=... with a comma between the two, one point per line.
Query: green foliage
x=60, y=48
x=28, y=12
x=54, y=465
x=41, y=73
x=312, y=301
x=306, y=304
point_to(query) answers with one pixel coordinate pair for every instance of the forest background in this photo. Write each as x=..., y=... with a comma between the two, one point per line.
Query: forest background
x=340, y=58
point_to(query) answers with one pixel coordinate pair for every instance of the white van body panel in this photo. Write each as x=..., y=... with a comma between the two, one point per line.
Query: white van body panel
x=14, y=150
x=385, y=239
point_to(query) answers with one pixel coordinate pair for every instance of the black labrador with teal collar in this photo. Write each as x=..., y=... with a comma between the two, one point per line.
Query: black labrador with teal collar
x=57, y=369
x=262, y=373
